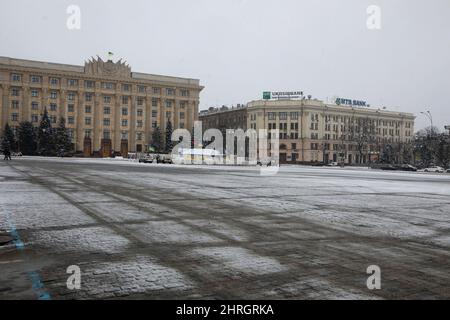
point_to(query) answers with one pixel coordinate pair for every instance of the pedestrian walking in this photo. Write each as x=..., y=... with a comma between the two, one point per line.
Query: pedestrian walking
x=7, y=154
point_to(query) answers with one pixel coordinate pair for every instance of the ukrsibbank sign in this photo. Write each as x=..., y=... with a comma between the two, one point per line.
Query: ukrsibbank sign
x=349, y=102
x=268, y=95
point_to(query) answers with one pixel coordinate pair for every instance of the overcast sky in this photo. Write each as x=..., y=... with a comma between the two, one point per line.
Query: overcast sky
x=240, y=48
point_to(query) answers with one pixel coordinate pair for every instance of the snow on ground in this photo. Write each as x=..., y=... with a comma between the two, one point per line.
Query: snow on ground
x=158, y=227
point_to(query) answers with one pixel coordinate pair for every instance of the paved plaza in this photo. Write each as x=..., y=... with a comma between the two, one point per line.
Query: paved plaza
x=214, y=232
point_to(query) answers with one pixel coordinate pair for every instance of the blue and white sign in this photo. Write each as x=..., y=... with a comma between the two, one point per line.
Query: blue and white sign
x=349, y=102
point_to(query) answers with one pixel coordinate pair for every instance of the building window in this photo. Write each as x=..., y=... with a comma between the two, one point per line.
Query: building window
x=106, y=110
x=168, y=114
x=156, y=90
x=140, y=101
x=53, y=95
x=106, y=135
x=294, y=115
x=142, y=89
x=88, y=96
x=87, y=109
x=124, y=135
x=181, y=125
x=72, y=82
x=168, y=104
x=124, y=111
x=15, y=104
x=154, y=124
x=34, y=93
x=106, y=122
x=126, y=87
x=52, y=106
x=139, y=124
x=108, y=85
x=124, y=122
x=272, y=115
x=140, y=112
x=70, y=108
x=88, y=121
x=52, y=119
x=182, y=104
x=124, y=99
x=87, y=133
x=35, y=79
x=283, y=115
x=89, y=84
x=154, y=113
x=15, y=117
x=15, y=92
x=139, y=136
x=70, y=120
x=154, y=102
x=181, y=115
x=71, y=96
x=16, y=77
x=170, y=92
x=34, y=105
x=185, y=93
x=293, y=146
x=34, y=118
x=107, y=99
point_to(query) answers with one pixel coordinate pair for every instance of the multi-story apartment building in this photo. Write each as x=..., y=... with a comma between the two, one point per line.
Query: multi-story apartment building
x=224, y=118
x=107, y=107
x=313, y=131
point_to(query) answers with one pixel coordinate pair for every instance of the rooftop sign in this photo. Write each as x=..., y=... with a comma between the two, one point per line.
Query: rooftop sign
x=267, y=95
x=349, y=102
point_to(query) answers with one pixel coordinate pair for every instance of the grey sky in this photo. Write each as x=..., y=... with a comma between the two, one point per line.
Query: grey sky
x=239, y=48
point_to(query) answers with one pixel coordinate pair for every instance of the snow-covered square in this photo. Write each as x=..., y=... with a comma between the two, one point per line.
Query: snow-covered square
x=177, y=231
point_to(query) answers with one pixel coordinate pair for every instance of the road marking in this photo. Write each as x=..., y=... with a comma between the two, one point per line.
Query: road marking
x=36, y=282
x=10, y=261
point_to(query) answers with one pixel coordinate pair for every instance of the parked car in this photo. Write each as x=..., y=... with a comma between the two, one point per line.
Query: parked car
x=407, y=167
x=333, y=164
x=448, y=171
x=434, y=169
x=146, y=158
x=388, y=167
x=164, y=158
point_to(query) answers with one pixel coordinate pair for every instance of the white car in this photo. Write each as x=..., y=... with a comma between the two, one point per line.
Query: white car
x=434, y=169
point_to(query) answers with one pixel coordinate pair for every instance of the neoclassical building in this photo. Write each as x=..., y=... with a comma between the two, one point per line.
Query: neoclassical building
x=107, y=107
x=313, y=131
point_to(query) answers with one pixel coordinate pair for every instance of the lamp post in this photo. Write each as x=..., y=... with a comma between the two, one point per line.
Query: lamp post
x=430, y=117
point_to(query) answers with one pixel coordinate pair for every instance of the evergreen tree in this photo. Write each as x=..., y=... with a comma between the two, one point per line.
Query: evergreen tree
x=169, y=144
x=62, y=139
x=9, y=139
x=157, y=139
x=45, y=138
x=27, y=138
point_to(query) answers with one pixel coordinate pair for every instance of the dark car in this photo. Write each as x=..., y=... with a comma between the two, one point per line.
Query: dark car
x=388, y=167
x=407, y=167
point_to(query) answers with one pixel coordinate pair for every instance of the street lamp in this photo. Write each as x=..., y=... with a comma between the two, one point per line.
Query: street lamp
x=430, y=117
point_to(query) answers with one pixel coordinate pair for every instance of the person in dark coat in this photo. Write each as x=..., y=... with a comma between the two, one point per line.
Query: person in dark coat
x=7, y=154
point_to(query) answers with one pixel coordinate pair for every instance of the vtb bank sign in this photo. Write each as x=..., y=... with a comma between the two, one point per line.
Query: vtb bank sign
x=349, y=102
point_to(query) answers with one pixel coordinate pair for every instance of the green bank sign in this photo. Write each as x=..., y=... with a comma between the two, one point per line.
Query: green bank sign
x=268, y=95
